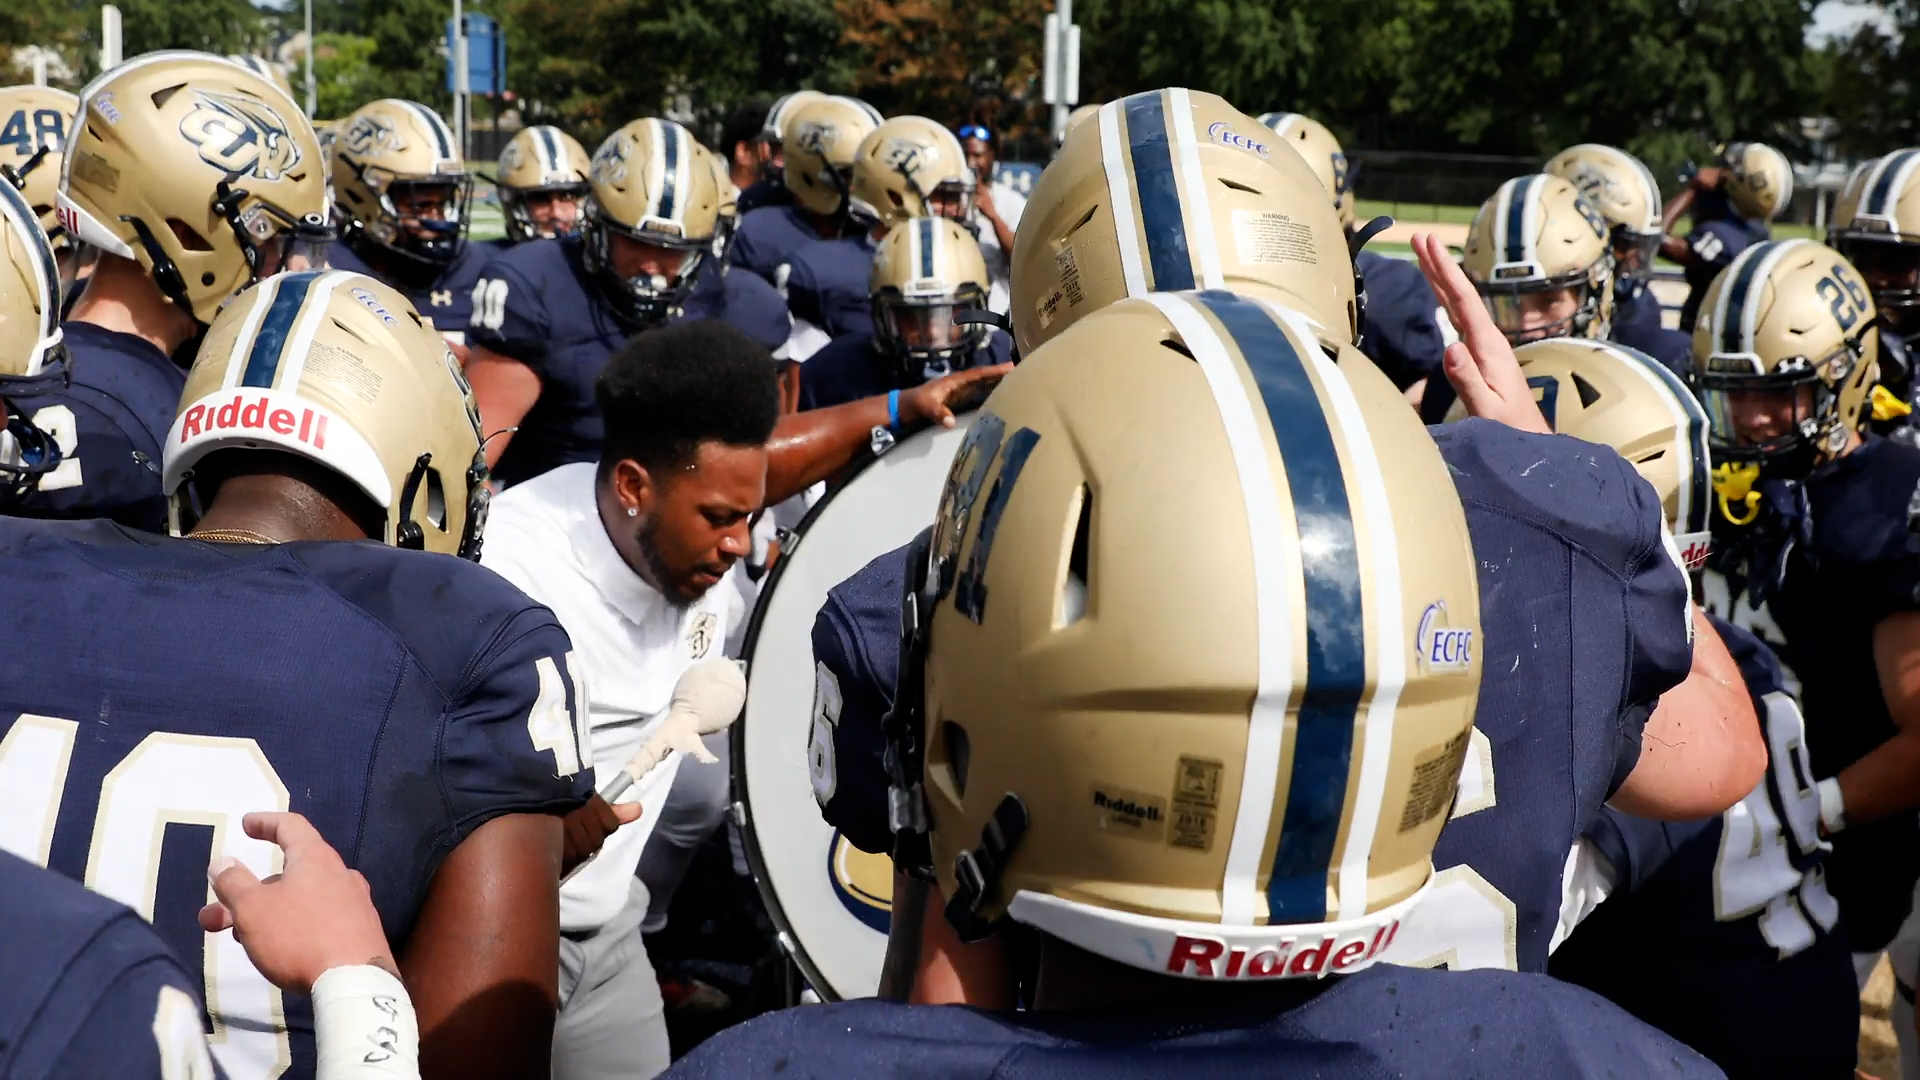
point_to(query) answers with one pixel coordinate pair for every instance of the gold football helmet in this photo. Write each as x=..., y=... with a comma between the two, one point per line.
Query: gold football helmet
x=540, y=164
x=1609, y=394
x=1312, y=140
x=1172, y=190
x=399, y=182
x=926, y=272
x=1538, y=254
x=198, y=169
x=774, y=131
x=1622, y=188
x=339, y=369
x=822, y=138
x=1254, y=800
x=910, y=167
x=34, y=121
x=654, y=188
x=1876, y=225
x=1759, y=180
x=30, y=344
x=1786, y=348
x=1082, y=113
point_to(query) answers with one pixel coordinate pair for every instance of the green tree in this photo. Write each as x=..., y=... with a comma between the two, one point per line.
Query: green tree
x=215, y=26
x=1867, y=83
x=343, y=73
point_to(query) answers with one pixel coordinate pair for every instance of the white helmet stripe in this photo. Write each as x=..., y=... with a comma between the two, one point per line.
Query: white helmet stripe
x=1274, y=571
x=1194, y=204
x=1649, y=192
x=1120, y=198
x=243, y=341
x=1883, y=191
x=443, y=138
x=1749, y=308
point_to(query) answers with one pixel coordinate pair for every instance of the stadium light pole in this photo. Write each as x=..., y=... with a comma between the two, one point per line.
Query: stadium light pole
x=460, y=85
x=311, y=102
x=1061, y=75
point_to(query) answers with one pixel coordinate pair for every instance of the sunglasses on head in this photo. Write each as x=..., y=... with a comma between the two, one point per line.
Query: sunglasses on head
x=975, y=131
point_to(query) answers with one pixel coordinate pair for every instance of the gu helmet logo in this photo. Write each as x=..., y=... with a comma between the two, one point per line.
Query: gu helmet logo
x=1439, y=648
x=1221, y=133
x=510, y=157
x=814, y=138
x=610, y=161
x=903, y=155
x=240, y=136
x=371, y=135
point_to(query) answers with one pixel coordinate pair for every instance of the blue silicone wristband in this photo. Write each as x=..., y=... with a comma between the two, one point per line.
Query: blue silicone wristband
x=893, y=411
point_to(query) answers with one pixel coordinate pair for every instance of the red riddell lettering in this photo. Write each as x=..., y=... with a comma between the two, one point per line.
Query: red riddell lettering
x=259, y=414
x=1317, y=957
x=1201, y=952
x=281, y=421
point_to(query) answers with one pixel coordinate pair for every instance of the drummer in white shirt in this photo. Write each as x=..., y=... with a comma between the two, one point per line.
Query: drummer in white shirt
x=627, y=552
x=996, y=211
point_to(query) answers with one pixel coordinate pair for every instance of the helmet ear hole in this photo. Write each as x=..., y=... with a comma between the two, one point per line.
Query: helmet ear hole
x=188, y=236
x=959, y=753
x=1074, y=587
x=436, y=501
x=1588, y=392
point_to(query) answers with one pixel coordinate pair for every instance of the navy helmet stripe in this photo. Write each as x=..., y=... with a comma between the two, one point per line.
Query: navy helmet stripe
x=263, y=361
x=1883, y=188
x=1737, y=290
x=1517, y=220
x=1161, y=222
x=926, y=247
x=670, y=157
x=436, y=125
x=553, y=163
x=1336, y=635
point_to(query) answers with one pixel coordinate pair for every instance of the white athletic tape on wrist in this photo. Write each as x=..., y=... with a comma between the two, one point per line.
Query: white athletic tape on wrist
x=364, y=1026
x=1833, y=808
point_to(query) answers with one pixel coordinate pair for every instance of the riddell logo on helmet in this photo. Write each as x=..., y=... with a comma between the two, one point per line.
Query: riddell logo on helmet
x=1292, y=958
x=237, y=415
x=1220, y=132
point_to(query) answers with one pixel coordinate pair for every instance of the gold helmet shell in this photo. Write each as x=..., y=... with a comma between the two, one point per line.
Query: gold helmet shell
x=160, y=140
x=925, y=272
x=1759, y=180
x=1538, y=234
x=267, y=69
x=1316, y=143
x=1252, y=789
x=29, y=289
x=902, y=165
x=340, y=369
x=41, y=116
x=780, y=115
x=652, y=183
x=822, y=138
x=1606, y=393
x=1622, y=188
x=541, y=158
x=386, y=148
x=1785, y=315
x=1876, y=225
x=1171, y=190
x=1082, y=113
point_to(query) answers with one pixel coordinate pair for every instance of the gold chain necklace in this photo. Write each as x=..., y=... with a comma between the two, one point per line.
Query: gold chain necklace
x=231, y=536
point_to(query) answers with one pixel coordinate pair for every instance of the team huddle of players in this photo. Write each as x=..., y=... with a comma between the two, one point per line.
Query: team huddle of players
x=1222, y=701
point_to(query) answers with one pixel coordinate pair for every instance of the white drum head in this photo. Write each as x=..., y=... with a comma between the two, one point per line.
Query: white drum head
x=829, y=900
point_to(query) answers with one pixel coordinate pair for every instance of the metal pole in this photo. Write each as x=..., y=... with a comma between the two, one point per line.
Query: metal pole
x=39, y=67
x=460, y=74
x=109, y=37
x=312, y=102
x=1061, y=107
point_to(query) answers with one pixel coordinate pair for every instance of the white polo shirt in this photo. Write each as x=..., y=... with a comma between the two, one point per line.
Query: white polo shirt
x=632, y=645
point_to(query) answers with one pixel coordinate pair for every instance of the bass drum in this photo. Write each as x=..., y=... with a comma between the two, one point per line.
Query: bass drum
x=829, y=900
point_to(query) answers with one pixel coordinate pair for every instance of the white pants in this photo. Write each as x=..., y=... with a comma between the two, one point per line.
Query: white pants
x=696, y=804
x=612, y=1023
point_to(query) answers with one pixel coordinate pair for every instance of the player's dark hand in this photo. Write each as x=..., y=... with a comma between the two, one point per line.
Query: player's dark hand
x=1706, y=179
x=983, y=202
x=588, y=827
x=935, y=402
x=1481, y=365
x=314, y=915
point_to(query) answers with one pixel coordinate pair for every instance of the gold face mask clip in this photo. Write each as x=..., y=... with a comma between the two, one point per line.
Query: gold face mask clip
x=1733, y=483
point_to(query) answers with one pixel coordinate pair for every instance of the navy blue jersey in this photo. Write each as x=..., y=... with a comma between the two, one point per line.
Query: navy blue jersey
x=1379, y=1023
x=743, y=301
x=1851, y=561
x=766, y=191
x=86, y=987
x=1636, y=324
x=541, y=309
x=1728, y=918
x=109, y=411
x=1897, y=358
x=852, y=367
x=154, y=690
x=1402, y=334
x=769, y=237
x=1585, y=624
x=1711, y=247
x=449, y=301
x=827, y=285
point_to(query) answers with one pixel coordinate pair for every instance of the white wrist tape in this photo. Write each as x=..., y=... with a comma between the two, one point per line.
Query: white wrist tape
x=364, y=1025
x=1833, y=809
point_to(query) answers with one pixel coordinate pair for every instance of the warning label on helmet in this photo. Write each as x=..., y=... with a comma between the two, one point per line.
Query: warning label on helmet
x=1265, y=236
x=1196, y=803
x=1435, y=777
x=1067, y=291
